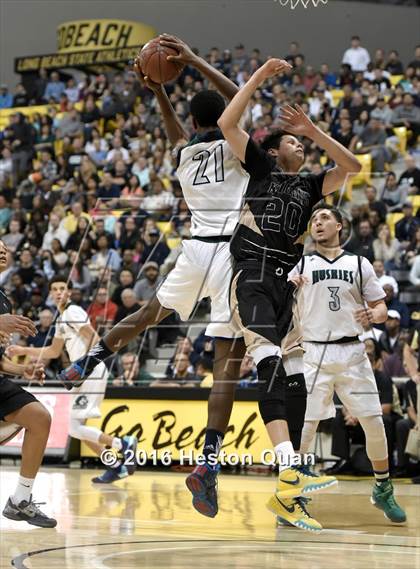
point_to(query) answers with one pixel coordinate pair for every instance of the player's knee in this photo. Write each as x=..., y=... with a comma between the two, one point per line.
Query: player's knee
x=40, y=417
x=271, y=381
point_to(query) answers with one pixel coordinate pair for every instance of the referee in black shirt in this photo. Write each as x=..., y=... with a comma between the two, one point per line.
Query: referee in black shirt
x=266, y=246
x=20, y=409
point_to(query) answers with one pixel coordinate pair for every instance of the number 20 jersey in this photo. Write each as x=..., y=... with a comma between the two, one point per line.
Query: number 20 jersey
x=275, y=215
x=335, y=289
x=213, y=183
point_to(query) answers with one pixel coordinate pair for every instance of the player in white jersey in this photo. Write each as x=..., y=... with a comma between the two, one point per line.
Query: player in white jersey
x=339, y=294
x=74, y=332
x=213, y=184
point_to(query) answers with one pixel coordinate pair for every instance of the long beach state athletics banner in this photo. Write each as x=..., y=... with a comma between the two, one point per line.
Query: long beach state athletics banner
x=90, y=42
x=173, y=430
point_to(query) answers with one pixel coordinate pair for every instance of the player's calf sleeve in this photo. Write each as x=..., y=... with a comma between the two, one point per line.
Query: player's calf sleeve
x=295, y=402
x=308, y=433
x=271, y=379
x=376, y=445
x=79, y=431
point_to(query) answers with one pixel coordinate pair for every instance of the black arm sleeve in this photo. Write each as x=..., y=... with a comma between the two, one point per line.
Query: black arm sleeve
x=258, y=163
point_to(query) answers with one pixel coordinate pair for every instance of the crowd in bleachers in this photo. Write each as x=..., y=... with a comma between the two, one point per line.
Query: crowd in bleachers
x=88, y=189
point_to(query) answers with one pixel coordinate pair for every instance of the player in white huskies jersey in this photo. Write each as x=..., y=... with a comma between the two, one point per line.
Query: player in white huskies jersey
x=74, y=333
x=339, y=293
x=213, y=184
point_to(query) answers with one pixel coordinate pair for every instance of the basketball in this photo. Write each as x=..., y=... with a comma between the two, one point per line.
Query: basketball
x=155, y=65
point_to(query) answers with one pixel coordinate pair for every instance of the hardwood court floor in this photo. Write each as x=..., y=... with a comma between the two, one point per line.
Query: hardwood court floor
x=147, y=521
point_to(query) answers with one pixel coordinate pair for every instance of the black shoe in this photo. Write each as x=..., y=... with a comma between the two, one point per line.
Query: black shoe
x=28, y=512
x=342, y=467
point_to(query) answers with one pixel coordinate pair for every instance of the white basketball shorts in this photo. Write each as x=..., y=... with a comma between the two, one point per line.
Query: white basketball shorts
x=345, y=369
x=87, y=399
x=203, y=269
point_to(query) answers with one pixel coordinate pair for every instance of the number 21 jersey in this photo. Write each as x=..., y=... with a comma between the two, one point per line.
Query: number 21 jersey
x=335, y=288
x=213, y=183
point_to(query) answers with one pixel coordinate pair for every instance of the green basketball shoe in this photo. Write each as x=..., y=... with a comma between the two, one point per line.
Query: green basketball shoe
x=383, y=498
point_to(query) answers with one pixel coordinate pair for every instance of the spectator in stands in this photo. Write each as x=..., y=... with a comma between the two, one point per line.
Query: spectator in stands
x=386, y=248
x=395, y=305
x=23, y=136
x=132, y=375
x=362, y=242
x=394, y=64
x=108, y=191
x=70, y=222
x=103, y=310
x=54, y=89
x=403, y=426
x=48, y=168
x=383, y=113
x=72, y=91
x=129, y=234
x=129, y=305
x=146, y=287
x=5, y=213
x=410, y=178
x=55, y=231
x=160, y=202
x=415, y=272
x=408, y=115
x=6, y=167
x=6, y=98
x=405, y=229
x=373, y=204
x=45, y=330
x=373, y=138
x=14, y=237
x=118, y=151
x=413, y=249
x=392, y=194
x=181, y=377
x=105, y=256
x=20, y=98
x=126, y=280
x=356, y=56
x=388, y=341
x=71, y=125
x=155, y=249
x=204, y=370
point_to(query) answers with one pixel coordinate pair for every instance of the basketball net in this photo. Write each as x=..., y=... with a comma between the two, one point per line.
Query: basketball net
x=305, y=3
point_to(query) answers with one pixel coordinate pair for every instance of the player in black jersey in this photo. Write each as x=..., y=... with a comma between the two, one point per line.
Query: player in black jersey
x=266, y=244
x=19, y=409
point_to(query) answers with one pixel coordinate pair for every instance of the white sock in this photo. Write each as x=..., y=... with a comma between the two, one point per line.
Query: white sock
x=23, y=490
x=117, y=443
x=286, y=455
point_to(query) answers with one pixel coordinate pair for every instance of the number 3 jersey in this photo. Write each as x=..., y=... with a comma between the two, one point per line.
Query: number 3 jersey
x=335, y=289
x=213, y=184
x=275, y=215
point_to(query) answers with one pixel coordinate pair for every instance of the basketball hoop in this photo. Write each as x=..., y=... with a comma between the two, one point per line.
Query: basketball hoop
x=305, y=3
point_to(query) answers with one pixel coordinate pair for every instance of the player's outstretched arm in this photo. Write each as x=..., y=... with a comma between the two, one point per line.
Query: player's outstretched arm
x=47, y=353
x=229, y=121
x=296, y=122
x=173, y=126
x=186, y=56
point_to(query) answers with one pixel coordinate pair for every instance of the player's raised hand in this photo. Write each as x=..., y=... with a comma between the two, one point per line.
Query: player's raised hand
x=185, y=56
x=13, y=324
x=144, y=80
x=294, y=120
x=299, y=280
x=35, y=372
x=273, y=67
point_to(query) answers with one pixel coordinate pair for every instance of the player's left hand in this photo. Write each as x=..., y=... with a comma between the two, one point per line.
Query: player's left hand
x=185, y=56
x=295, y=121
x=144, y=80
x=364, y=316
x=35, y=372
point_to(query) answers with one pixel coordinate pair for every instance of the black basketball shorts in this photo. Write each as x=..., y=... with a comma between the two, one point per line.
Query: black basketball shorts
x=12, y=397
x=263, y=308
